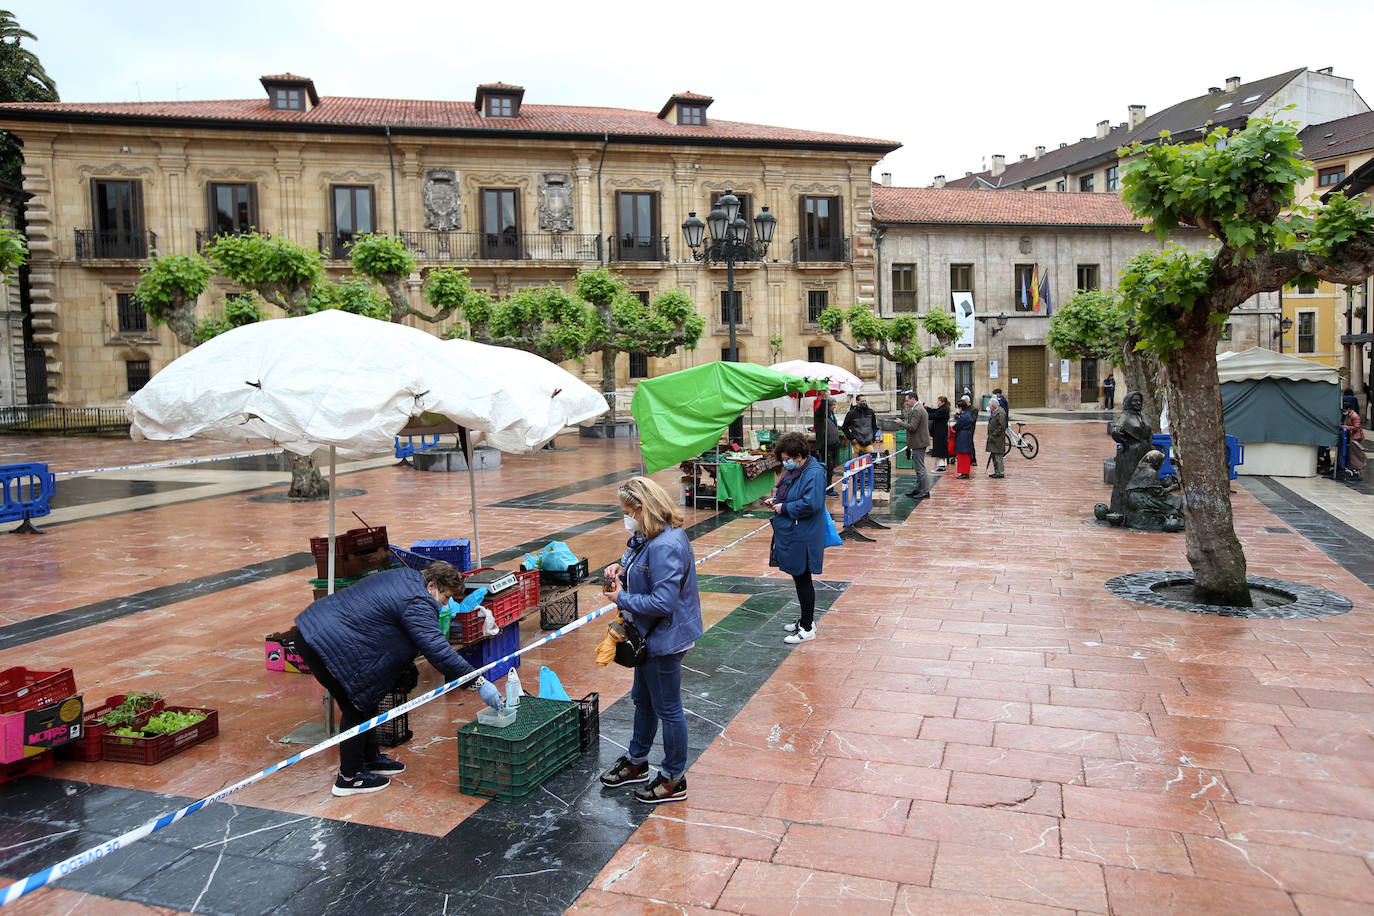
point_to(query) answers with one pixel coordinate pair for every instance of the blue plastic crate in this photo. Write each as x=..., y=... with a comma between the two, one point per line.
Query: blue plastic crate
x=457, y=551
x=481, y=654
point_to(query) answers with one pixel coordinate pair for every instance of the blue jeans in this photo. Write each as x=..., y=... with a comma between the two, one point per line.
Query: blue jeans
x=657, y=694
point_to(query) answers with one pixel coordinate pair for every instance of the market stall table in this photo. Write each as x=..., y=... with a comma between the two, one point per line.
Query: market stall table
x=736, y=489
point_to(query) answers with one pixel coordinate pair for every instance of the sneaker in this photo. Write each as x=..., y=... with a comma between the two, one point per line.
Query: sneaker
x=662, y=789
x=961, y=477
x=388, y=766
x=801, y=635
x=357, y=785
x=791, y=627
x=623, y=772
x=939, y=467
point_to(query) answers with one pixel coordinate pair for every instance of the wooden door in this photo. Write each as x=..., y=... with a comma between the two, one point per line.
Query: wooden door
x=1025, y=377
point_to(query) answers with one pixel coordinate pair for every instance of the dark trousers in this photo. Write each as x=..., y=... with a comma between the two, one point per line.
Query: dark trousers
x=806, y=597
x=355, y=753
x=1108, y=398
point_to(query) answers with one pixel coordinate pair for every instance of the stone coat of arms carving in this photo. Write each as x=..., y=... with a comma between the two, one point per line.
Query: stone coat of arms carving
x=443, y=200
x=555, y=202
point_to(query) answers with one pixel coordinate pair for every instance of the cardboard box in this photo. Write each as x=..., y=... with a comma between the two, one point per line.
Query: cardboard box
x=45, y=727
x=283, y=656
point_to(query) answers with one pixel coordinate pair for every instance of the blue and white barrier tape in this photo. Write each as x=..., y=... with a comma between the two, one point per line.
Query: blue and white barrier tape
x=67, y=866
x=178, y=462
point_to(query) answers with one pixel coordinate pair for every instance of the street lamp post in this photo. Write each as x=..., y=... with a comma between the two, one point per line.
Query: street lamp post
x=729, y=242
x=1285, y=326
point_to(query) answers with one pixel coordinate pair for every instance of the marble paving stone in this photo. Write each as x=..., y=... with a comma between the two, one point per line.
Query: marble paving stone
x=765, y=889
x=206, y=882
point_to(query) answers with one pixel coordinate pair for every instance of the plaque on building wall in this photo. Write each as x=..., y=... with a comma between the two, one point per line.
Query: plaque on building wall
x=443, y=202
x=555, y=202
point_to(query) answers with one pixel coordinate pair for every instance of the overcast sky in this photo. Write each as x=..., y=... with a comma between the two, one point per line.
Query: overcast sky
x=954, y=84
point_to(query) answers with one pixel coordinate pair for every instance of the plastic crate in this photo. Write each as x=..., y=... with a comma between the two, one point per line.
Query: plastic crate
x=36, y=763
x=410, y=559
x=570, y=576
x=559, y=612
x=158, y=748
x=588, y=720
x=457, y=551
x=355, y=540
x=90, y=746
x=395, y=731
x=24, y=688
x=508, y=764
x=485, y=651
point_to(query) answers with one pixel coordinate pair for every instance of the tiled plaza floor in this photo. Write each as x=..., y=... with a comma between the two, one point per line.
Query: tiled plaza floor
x=980, y=728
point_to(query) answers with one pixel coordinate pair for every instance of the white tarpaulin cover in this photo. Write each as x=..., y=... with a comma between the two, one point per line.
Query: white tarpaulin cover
x=342, y=380
x=1257, y=362
x=842, y=381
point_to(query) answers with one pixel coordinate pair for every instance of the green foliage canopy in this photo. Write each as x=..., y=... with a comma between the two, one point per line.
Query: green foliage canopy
x=238, y=311
x=14, y=251
x=281, y=271
x=894, y=339
x=1090, y=325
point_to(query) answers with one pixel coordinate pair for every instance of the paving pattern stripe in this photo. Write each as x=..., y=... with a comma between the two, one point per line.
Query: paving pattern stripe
x=549, y=848
x=1350, y=548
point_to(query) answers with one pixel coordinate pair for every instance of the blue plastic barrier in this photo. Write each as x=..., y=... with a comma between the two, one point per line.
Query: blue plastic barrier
x=28, y=488
x=427, y=444
x=1163, y=442
x=856, y=491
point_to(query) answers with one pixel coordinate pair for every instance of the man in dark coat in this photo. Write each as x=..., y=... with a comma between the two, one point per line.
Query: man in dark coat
x=917, y=425
x=997, y=437
x=860, y=426
x=827, y=438
x=1001, y=398
x=360, y=641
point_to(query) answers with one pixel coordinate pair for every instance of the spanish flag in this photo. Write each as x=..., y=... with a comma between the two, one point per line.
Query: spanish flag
x=1040, y=292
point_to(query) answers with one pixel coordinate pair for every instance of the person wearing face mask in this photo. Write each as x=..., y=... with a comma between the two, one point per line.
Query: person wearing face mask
x=798, y=527
x=360, y=641
x=655, y=587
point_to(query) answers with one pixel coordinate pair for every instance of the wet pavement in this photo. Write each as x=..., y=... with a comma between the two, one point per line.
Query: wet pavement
x=979, y=728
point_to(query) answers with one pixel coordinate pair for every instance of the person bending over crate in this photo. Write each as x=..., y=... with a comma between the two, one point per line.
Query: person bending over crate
x=358, y=643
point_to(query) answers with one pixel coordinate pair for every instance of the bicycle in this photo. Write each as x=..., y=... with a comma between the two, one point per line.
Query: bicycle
x=1024, y=442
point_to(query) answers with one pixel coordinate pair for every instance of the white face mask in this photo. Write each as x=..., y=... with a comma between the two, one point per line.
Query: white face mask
x=631, y=524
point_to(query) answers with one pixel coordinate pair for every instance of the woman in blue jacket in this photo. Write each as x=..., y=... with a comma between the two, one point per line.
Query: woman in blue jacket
x=798, y=527
x=655, y=587
x=360, y=641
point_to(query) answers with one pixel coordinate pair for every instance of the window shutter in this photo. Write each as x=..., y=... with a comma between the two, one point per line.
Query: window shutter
x=837, y=218
x=136, y=206
x=252, y=206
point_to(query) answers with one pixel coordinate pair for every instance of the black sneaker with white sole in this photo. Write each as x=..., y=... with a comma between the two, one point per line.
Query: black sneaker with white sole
x=623, y=773
x=662, y=789
x=360, y=784
x=387, y=766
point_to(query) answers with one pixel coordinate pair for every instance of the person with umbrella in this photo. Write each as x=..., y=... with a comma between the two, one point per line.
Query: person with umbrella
x=360, y=641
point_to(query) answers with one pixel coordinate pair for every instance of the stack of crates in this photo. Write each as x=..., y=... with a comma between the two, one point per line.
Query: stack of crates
x=485, y=651
x=356, y=552
x=39, y=710
x=509, y=763
x=457, y=551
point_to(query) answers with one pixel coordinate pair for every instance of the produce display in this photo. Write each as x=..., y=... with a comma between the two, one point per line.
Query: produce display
x=133, y=705
x=164, y=723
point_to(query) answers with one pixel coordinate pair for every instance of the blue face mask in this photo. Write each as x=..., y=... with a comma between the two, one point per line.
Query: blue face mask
x=790, y=464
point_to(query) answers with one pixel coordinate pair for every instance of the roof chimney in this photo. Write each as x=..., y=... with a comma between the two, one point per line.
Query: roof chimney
x=1022, y=158
x=1135, y=116
x=968, y=174
x=1326, y=70
x=939, y=181
x=999, y=164
x=1063, y=145
x=1232, y=82
x=1213, y=90
x=886, y=179
x=1039, y=151
x=1103, y=128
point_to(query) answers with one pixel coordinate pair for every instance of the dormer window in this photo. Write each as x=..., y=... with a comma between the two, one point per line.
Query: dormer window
x=500, y=106
x=693, y=115
x=289, y=92
x=498, y=100
x=284, y=99
x=687, y=109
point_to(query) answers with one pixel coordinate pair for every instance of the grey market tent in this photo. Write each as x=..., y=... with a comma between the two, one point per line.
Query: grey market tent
x=1281, y=407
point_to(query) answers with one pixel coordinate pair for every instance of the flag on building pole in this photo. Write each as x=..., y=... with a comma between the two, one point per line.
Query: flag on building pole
x=1025, y=298
x=1035, y=289
x=1042, y=294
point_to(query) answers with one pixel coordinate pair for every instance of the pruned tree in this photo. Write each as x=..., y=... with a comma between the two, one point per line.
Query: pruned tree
x=896, y=340
x=237, y=311
x=386, y=260
x=1240, y=188
x=282, y=272
x=1093, y=324
x=168, y=287
x=354, y=294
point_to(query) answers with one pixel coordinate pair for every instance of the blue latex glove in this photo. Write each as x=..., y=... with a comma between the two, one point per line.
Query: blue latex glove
x=490, y=695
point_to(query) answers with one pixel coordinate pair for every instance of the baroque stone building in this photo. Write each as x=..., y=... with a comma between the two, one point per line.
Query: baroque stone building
x=518, y=194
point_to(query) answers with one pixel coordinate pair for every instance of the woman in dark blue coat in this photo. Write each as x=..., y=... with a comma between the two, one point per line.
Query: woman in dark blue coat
x=963, y=440
x=798, y=504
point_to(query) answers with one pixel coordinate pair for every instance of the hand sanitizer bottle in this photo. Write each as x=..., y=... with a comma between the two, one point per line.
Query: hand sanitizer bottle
x=512, y=689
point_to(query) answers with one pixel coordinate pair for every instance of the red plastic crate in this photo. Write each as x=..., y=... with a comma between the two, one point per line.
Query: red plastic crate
x=355, y=540
x=35, y=764
x=90, y=746
x=158, y=748
x=22, y=688
x=506, y=607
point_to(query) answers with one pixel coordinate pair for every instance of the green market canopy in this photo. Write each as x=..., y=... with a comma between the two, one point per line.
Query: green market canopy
x=682, y=414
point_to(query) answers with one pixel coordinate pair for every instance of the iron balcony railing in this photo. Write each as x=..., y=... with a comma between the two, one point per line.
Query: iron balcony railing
x=435, y=245
x=904, y=300
x=205, y=236
x=335, y=245
x=639, y=248
x=96, y=244
x=806, y=248
x=48, y=419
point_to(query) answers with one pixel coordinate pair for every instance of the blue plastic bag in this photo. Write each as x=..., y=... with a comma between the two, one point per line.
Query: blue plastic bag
x=454, y=608
x=555, y=557
x=550, y=687
x=832, y=535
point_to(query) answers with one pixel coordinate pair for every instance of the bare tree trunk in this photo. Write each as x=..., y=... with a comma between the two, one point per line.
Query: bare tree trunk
x=608, y=355
x=396, y=292
x=306, y=480
x=1195, y=419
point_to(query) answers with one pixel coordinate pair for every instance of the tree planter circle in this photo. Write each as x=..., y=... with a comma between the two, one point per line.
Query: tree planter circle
x=1277, y=599
x=282, y=497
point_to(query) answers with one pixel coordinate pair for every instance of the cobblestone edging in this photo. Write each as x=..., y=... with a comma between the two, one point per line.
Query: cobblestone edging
x=1309, y=601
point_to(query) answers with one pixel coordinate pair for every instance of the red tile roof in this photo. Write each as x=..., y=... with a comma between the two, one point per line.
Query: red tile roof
x=509, y=86
x=287, y=77
x=959, y=206
x=345, y=114
x=1338, y=138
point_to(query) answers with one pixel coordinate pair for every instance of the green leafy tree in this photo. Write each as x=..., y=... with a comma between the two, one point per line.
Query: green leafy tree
x=22, y=79
x=386, y=260
x=1093, y=324
x=14, y=251
x=1240, y=188
x=356, y=295
x=238, y=311
x=896, y=340
x=282, y=272
x=168, y=288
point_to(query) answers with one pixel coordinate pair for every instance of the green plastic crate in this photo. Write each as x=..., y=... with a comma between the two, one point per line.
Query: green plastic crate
x=509, y=763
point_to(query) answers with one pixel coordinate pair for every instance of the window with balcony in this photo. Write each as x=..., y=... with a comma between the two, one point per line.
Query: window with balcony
x=1088, y=277
x=233, y=208
x=1023, y=287
x=639, y=364
x=1085, y=182
x=822, y=229
x=1113, y=178
x=117, y=220
x=1330, y=176
x=731, y=303
x=815, y=354
x=130, y=317
x=501, y=223
x=1307, y=332
x=817, y=301
x=353, y=215
x=903, y=287
x=637, y=226
x=136, y=374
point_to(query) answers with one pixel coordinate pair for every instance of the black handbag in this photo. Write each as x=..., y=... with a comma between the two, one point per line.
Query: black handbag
x=633, y=651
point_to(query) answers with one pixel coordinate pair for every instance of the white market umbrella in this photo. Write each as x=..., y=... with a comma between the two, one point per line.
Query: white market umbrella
x=352, y=384
x=842, y=381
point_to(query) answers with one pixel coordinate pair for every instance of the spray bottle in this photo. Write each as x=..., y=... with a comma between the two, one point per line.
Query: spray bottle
x=513, y=690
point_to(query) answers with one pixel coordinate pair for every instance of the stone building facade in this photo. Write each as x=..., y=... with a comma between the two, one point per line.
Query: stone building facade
x=519, y=194
x=941, y=247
